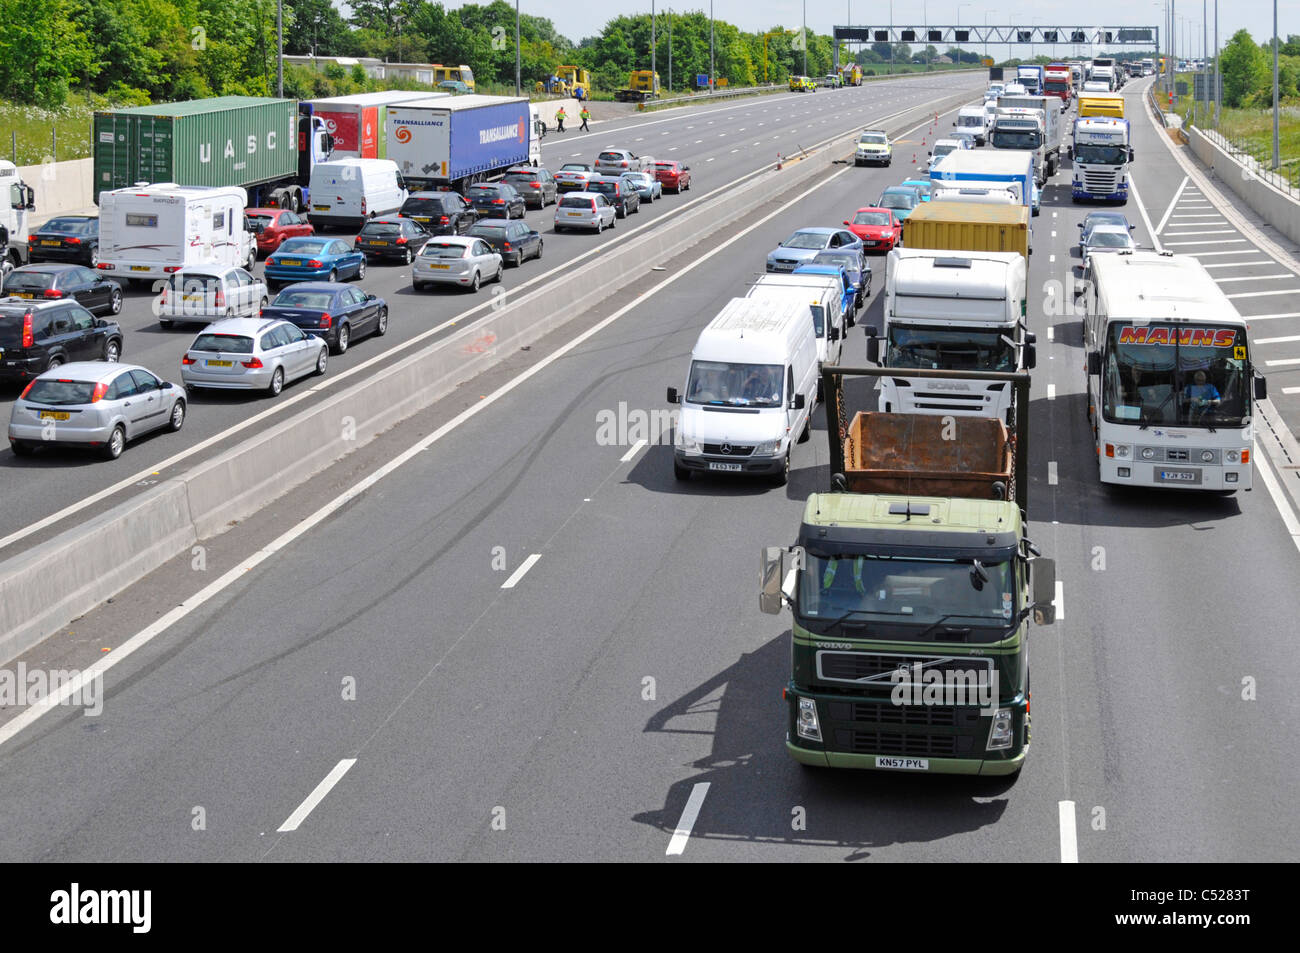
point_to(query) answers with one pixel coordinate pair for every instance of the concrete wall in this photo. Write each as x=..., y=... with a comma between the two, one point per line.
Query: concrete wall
x=100, y=558
x=1246, y=180
x=549, y=107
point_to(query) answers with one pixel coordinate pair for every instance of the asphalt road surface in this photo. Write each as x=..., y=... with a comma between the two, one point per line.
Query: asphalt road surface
x=402, y=680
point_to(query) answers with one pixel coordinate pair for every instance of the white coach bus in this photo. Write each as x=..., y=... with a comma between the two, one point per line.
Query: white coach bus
x=1170, y=381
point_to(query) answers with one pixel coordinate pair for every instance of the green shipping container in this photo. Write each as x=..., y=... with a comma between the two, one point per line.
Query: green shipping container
x=230, y=140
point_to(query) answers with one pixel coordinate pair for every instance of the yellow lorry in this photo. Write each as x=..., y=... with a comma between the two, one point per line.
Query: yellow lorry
x=1108, y=105
x=642, y=84
x=574, y=81
x=852, y=75
x=969, y=226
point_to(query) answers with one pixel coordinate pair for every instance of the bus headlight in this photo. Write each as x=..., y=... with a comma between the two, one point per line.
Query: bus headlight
x=807, y=725
x=1000, y=733
x=1231, y=456
x=1148, y=453
x=1122, y=451
x=1207, y=456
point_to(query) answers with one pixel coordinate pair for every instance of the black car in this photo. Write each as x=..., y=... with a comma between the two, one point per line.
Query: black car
x=513, y=241
x=621, y=193
x=38, y=335
x=537, y=186
x=391, y=237
x=440, y=213
x=66, y=238
x=92, y=289
x=497, y=200
x=334, y=311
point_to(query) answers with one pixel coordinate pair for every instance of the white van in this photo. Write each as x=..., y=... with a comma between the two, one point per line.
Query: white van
x=346, y=192
x=824, y=299
x=975, y=119
x=153, y=231
x=750, y=389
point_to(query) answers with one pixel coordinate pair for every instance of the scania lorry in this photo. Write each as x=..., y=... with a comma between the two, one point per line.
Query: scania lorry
x=913, y=583
x=1102, y=153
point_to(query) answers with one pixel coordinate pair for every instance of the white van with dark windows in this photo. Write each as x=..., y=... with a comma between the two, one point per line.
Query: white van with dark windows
x=750, y=391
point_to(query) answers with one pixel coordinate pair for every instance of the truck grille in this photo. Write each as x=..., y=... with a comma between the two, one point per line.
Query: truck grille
x=857, y=666
x=1099, y=181
x=907, y=716
x=908, y=744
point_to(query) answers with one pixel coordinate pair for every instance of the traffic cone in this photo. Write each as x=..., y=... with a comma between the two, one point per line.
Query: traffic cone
x=778, y=161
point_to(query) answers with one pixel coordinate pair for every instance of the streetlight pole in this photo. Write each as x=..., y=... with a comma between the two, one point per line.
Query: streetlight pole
x=891, y=36
x=654, y=75
x=1276, y=159
x=518, y=56
x=803, y=36
x=1218, y=81
x=710, y=45
x=279, y=45
x=670, y=50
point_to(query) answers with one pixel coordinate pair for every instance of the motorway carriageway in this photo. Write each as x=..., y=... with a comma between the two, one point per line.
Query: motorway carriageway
x=722, y=144
x=557, y=636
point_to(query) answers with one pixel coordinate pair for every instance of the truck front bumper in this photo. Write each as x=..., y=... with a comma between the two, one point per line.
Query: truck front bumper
x=1119, y=195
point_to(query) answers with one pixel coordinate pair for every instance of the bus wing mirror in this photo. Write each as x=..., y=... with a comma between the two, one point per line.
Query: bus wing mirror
x=1261, y=388
x=1044, y=576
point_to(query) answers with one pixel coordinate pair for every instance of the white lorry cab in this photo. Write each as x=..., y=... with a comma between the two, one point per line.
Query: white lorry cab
x=17, y=202
x=152, y=231
x=824, y=299
x=951, y=310
x=750, y=391
x=1102, y=153
x=345, y=193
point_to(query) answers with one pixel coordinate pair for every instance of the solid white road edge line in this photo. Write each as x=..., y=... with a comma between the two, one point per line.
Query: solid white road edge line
x=1155, y=239
x=146, y=635
x=689, y=814
x=316, y=796
x=1069, y=833
x=636, y=448
x=1279, y=498
x=518, y=574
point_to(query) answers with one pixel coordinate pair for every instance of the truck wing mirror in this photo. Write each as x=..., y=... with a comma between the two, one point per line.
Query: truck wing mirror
x=1261, y=388
x=771, y=594
x=1043, y=572
x=1130, y=155
x=673, y=396
x=873, y=347
x=1031, y=356
x=834, y=334
x=1094, y=363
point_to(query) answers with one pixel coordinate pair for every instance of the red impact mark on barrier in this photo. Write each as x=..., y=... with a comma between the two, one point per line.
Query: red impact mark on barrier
x=481, y=344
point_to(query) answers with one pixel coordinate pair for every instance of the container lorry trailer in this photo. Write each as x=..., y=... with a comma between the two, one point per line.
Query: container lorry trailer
x=456, y=141
x=912, y=584
x=265, y=146
x=986, y=219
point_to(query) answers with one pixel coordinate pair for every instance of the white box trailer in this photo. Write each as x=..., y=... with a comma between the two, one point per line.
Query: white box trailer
x=150, y=231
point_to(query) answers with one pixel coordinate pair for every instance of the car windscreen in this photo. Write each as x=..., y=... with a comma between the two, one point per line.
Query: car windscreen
x=194, y=282
x=1108, y=239
x=69, y=226
x=871, y=218
x=28, y=281
x=314, y=300
x=897, y=200
x=60, y=392
x=443, y=250
x=305, y=246
x=572, y=202
x=230, y=343
x=807, y=240
x=875, y=140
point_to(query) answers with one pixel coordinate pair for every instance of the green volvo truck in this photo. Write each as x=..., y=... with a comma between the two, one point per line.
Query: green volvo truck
x=913, y=583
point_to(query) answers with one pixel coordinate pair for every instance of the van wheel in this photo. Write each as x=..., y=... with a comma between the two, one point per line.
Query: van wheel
x=21, y=448
x=782, y=476
x=116, y=441
x=681, y=472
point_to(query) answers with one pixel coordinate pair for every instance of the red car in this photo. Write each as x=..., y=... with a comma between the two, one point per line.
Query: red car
x=878, y=228
x=275, y=225
x=672, y=175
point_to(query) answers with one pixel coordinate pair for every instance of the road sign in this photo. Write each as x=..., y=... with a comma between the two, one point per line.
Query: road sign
x=1205, y=84
x=987, y=61
x=701, y=80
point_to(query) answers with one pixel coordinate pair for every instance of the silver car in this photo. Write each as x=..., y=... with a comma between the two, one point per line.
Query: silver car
x=584, y=210
x=252, y=354
x=94, y=404
x=204, y=295
x=456, y=260
x=618, y=161
x=647, y=186
x=1106, y=238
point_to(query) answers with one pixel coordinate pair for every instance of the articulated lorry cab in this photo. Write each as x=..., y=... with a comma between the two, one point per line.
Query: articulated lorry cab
x=17, y=202
x=951, y=310
x=1102, y=153
x=912, y=584
x=1030, y=77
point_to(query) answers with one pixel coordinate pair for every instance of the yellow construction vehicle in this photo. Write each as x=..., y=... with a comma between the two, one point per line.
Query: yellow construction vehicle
x=574, y=81
x=642, y=84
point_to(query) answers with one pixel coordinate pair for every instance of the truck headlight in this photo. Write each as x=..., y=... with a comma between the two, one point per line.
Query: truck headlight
x=806, y=725
x=1000, y=732
x=767, y=447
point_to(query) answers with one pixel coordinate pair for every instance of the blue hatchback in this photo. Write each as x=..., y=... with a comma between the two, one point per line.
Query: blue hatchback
x=313, y=257
x=900, y=199
x=856, y=270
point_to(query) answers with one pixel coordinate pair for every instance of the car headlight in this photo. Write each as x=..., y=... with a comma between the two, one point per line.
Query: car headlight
x=768, y=447
x=1000, y=732
x=806, y=725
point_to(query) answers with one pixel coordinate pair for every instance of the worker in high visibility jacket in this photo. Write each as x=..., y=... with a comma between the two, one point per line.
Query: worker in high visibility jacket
x=832, y=566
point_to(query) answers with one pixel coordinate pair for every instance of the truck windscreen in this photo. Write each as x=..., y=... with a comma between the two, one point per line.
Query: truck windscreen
x=1016, y=138
x=1100, y=154
x=905, y=591
x=949, y=349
